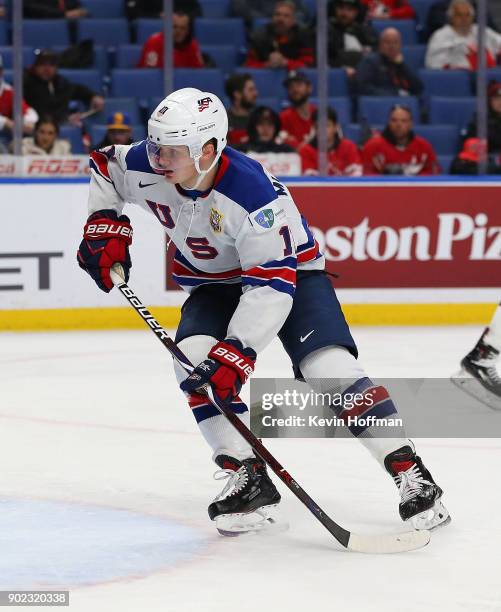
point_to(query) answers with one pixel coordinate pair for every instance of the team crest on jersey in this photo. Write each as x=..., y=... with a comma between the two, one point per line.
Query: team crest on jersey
x=204, y=103
x=265, y=218
x=216, y=220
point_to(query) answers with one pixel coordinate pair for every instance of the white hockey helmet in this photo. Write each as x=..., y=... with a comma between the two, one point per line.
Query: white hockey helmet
x=187, y=117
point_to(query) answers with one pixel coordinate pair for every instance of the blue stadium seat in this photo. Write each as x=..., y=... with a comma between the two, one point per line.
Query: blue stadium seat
x=272, y=102
x=268, y=81
x=109, y=32
x=231, y=31
x=421, y=7
x=45, y=32
x=457, y=111
x=258, y=23
x=406, y=27
x=445, y=162
x=74, y=135
x=117, y=105
x=7, y=56
x=494, y=74
x=128, y=56
x=145, y=28
x=443, y=138
x=342, y=107
x=376, y=109
x=206, y=79
x=337, y=84
x=104, y=9
x=224, y=56
x=97, y=133
x=3, y=32
x=88, y=77
x=215, y=9
x=446, y=82
x=414, y=56
x=101, y=62
x=352, y=132
x=144, y=83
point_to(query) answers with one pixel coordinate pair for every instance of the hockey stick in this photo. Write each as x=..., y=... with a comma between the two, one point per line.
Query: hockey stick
x=386, y=543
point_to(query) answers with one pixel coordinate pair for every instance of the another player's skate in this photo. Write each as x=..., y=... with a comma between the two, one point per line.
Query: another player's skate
x=420, y=496
x=478, y=375
x=249, y=500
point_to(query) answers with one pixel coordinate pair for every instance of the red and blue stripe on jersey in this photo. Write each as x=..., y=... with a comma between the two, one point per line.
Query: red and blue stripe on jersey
x=187, y=275
x=308, y=251
x=99, y=163
x=278, y=274
x=202, y=409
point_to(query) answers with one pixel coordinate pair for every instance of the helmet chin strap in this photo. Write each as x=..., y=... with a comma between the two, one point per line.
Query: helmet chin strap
x=201, y=173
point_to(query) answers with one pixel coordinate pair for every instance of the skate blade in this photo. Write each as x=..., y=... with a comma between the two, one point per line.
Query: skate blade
x=265, y=520
x=437, y=516
x=465, y=381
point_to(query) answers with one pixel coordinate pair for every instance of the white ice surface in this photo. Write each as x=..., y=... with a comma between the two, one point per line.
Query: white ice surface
x=93, y=427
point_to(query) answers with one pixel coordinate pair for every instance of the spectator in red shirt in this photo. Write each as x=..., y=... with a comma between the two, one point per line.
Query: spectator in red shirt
x=282, y=43
x=187, y=52
x=343, y=158
x=398, y=150
x=297, y=119
x=389, y=9
x=242, y=91
x=30, y=116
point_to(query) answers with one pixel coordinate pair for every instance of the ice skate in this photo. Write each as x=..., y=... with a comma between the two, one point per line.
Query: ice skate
x=249, y=501
x=420, y=496
x=479, y=376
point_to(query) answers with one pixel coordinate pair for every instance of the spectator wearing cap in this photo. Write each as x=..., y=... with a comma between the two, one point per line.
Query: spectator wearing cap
x=187, y=52
x=45, y=140
x=385, y=73
x=455, y=45
x=389, y=9
x=493, y=119
x=50, y=93
x=343, y=158
x=53, y=9
x=398, y=150
x=30, y=116
x=349, y=39
x=282, y=43
x=119, y=131
x=297, y=119
x=264, y=130
x=242, y=92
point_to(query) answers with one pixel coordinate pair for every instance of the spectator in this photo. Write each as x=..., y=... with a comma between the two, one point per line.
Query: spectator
x=389, y=9
x=493, y=118
x=119, y=131
x=297, y=119
x=455, y=45
x=3, y=12
x=349, y=40
x=264, y=129
x=468, y=159
x=53, y=9
x=50, y=93
x=45, y=140
x=187, y=52
x=343, y=158
x=242, y=92
x=437, y=17
x=398, y=150
x=30, y=116
x=282, y=43
x=135, y=9
x=262, y=9
x=385, y=73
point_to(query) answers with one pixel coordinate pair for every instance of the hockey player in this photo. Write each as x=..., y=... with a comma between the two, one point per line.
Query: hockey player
x=253, y=271
x=479, y=375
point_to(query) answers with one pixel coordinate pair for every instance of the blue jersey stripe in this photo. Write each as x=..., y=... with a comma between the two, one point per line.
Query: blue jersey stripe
x=275, y=283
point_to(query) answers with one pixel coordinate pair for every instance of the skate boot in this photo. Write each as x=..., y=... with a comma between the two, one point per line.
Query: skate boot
x=249, y=500
x=479, y=376
x=420, y=496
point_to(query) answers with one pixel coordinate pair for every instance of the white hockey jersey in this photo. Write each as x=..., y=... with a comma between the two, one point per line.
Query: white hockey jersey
x=246, y=229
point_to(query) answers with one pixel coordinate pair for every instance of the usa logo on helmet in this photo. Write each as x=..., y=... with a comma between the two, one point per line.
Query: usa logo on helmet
x=204, y=103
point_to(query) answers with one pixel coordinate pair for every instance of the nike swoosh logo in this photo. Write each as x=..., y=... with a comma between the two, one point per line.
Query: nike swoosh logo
x=146, y=185
x=303, y=338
